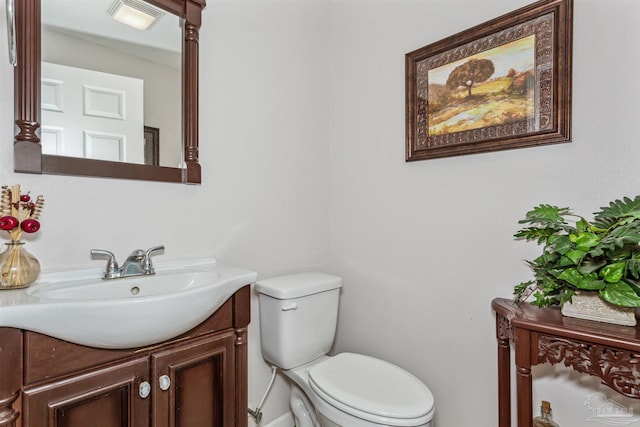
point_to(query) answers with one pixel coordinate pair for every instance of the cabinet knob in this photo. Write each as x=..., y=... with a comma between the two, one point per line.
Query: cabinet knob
x=144, y=389
x=165, y=382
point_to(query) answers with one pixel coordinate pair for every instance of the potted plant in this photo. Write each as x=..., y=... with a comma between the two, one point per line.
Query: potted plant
x=599, y=257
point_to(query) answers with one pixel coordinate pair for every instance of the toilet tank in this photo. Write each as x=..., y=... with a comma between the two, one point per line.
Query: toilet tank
x=298, y=317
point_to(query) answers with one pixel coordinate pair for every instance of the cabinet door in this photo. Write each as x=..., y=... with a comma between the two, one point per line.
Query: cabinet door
x=108, y=397
x=194, y=385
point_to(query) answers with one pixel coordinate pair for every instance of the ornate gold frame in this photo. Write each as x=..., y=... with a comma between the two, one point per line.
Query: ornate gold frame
x=551, y=23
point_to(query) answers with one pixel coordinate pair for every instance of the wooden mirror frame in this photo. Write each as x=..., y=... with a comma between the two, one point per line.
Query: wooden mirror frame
x=28, y=157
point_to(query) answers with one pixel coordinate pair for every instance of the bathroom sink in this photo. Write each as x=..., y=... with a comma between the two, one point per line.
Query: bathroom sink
x=131, y=287
x=80, y=307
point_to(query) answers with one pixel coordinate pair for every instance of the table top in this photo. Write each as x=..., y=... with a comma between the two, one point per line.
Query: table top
x=551, y=321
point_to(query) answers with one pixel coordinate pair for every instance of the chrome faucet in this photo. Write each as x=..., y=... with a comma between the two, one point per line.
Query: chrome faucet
x=137, y=264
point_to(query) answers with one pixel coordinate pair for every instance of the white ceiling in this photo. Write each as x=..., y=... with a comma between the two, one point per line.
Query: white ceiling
x=90, y=18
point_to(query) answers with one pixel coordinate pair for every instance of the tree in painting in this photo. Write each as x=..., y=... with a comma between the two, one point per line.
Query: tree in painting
x=471, y=72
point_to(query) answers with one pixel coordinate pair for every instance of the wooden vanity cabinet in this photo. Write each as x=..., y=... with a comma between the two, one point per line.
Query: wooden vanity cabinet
x=199, y=374
x=198, y=379
x=105, y=397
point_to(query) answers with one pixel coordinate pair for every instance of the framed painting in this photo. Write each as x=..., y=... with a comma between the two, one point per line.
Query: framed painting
x=500, y=85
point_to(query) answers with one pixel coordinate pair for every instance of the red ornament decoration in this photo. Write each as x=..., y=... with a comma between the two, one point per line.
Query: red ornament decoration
x=30, y=225
x=19, y=212
x=8, y=222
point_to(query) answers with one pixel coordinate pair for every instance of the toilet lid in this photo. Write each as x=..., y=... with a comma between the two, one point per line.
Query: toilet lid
x=371, y=386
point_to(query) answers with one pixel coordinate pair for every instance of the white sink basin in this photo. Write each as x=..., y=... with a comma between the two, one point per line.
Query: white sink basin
x=131, y=287
x=80, y=307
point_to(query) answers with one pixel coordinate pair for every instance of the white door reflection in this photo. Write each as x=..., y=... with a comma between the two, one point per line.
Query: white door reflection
x=95, y=115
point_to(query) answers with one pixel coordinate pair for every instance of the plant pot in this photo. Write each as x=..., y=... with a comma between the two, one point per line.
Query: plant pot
x=18, y=268
x=589, y=305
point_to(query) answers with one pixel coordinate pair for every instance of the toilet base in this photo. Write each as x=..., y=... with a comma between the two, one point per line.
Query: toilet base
x=302, y=409
x=326, y=422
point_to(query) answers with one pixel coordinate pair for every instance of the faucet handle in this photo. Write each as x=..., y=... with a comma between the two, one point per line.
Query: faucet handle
x=112, y=265
x=147, y=266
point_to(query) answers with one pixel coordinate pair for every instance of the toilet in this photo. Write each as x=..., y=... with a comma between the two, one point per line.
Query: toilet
x=298, y=317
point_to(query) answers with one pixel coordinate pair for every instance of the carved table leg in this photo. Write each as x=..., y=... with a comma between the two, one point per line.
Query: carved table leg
x=523, y=387
x=523, y=377
x=503, y=333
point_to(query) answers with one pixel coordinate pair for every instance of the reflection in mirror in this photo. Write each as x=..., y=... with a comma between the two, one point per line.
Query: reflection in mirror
x=104, y=81
x=78, y=52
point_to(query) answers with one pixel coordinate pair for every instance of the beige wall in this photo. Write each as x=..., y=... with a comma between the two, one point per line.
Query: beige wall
x=264, y=151
x=425, y=246
x=302, y=132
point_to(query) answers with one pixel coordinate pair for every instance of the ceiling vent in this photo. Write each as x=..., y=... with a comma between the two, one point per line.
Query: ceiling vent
x=135, y=13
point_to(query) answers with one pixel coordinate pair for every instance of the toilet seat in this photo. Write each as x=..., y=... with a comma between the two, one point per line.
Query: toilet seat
x=372, y=389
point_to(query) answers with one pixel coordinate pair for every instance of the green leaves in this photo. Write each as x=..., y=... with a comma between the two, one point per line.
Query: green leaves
x=546, y=216
x=584, y=240
x=575, y=255
x=601, y=256
x=620, y=294
x=587, y=282
x=545, y=221
x=613, y=273
x=520, y=291
x=534, y=233
x=633, y=268
x=546, y=293
x=619, y=211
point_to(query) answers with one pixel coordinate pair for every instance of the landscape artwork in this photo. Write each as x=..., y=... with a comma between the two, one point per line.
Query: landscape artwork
x=500, y=85
x=487, y=89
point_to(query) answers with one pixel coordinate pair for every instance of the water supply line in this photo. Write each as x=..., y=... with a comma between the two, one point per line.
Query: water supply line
x=256, y=414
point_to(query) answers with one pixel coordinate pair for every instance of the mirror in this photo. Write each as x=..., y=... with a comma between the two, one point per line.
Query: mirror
x=35, y=149
x=104, y=82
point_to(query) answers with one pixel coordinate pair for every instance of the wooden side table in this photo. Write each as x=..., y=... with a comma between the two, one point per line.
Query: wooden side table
x=544, y=335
